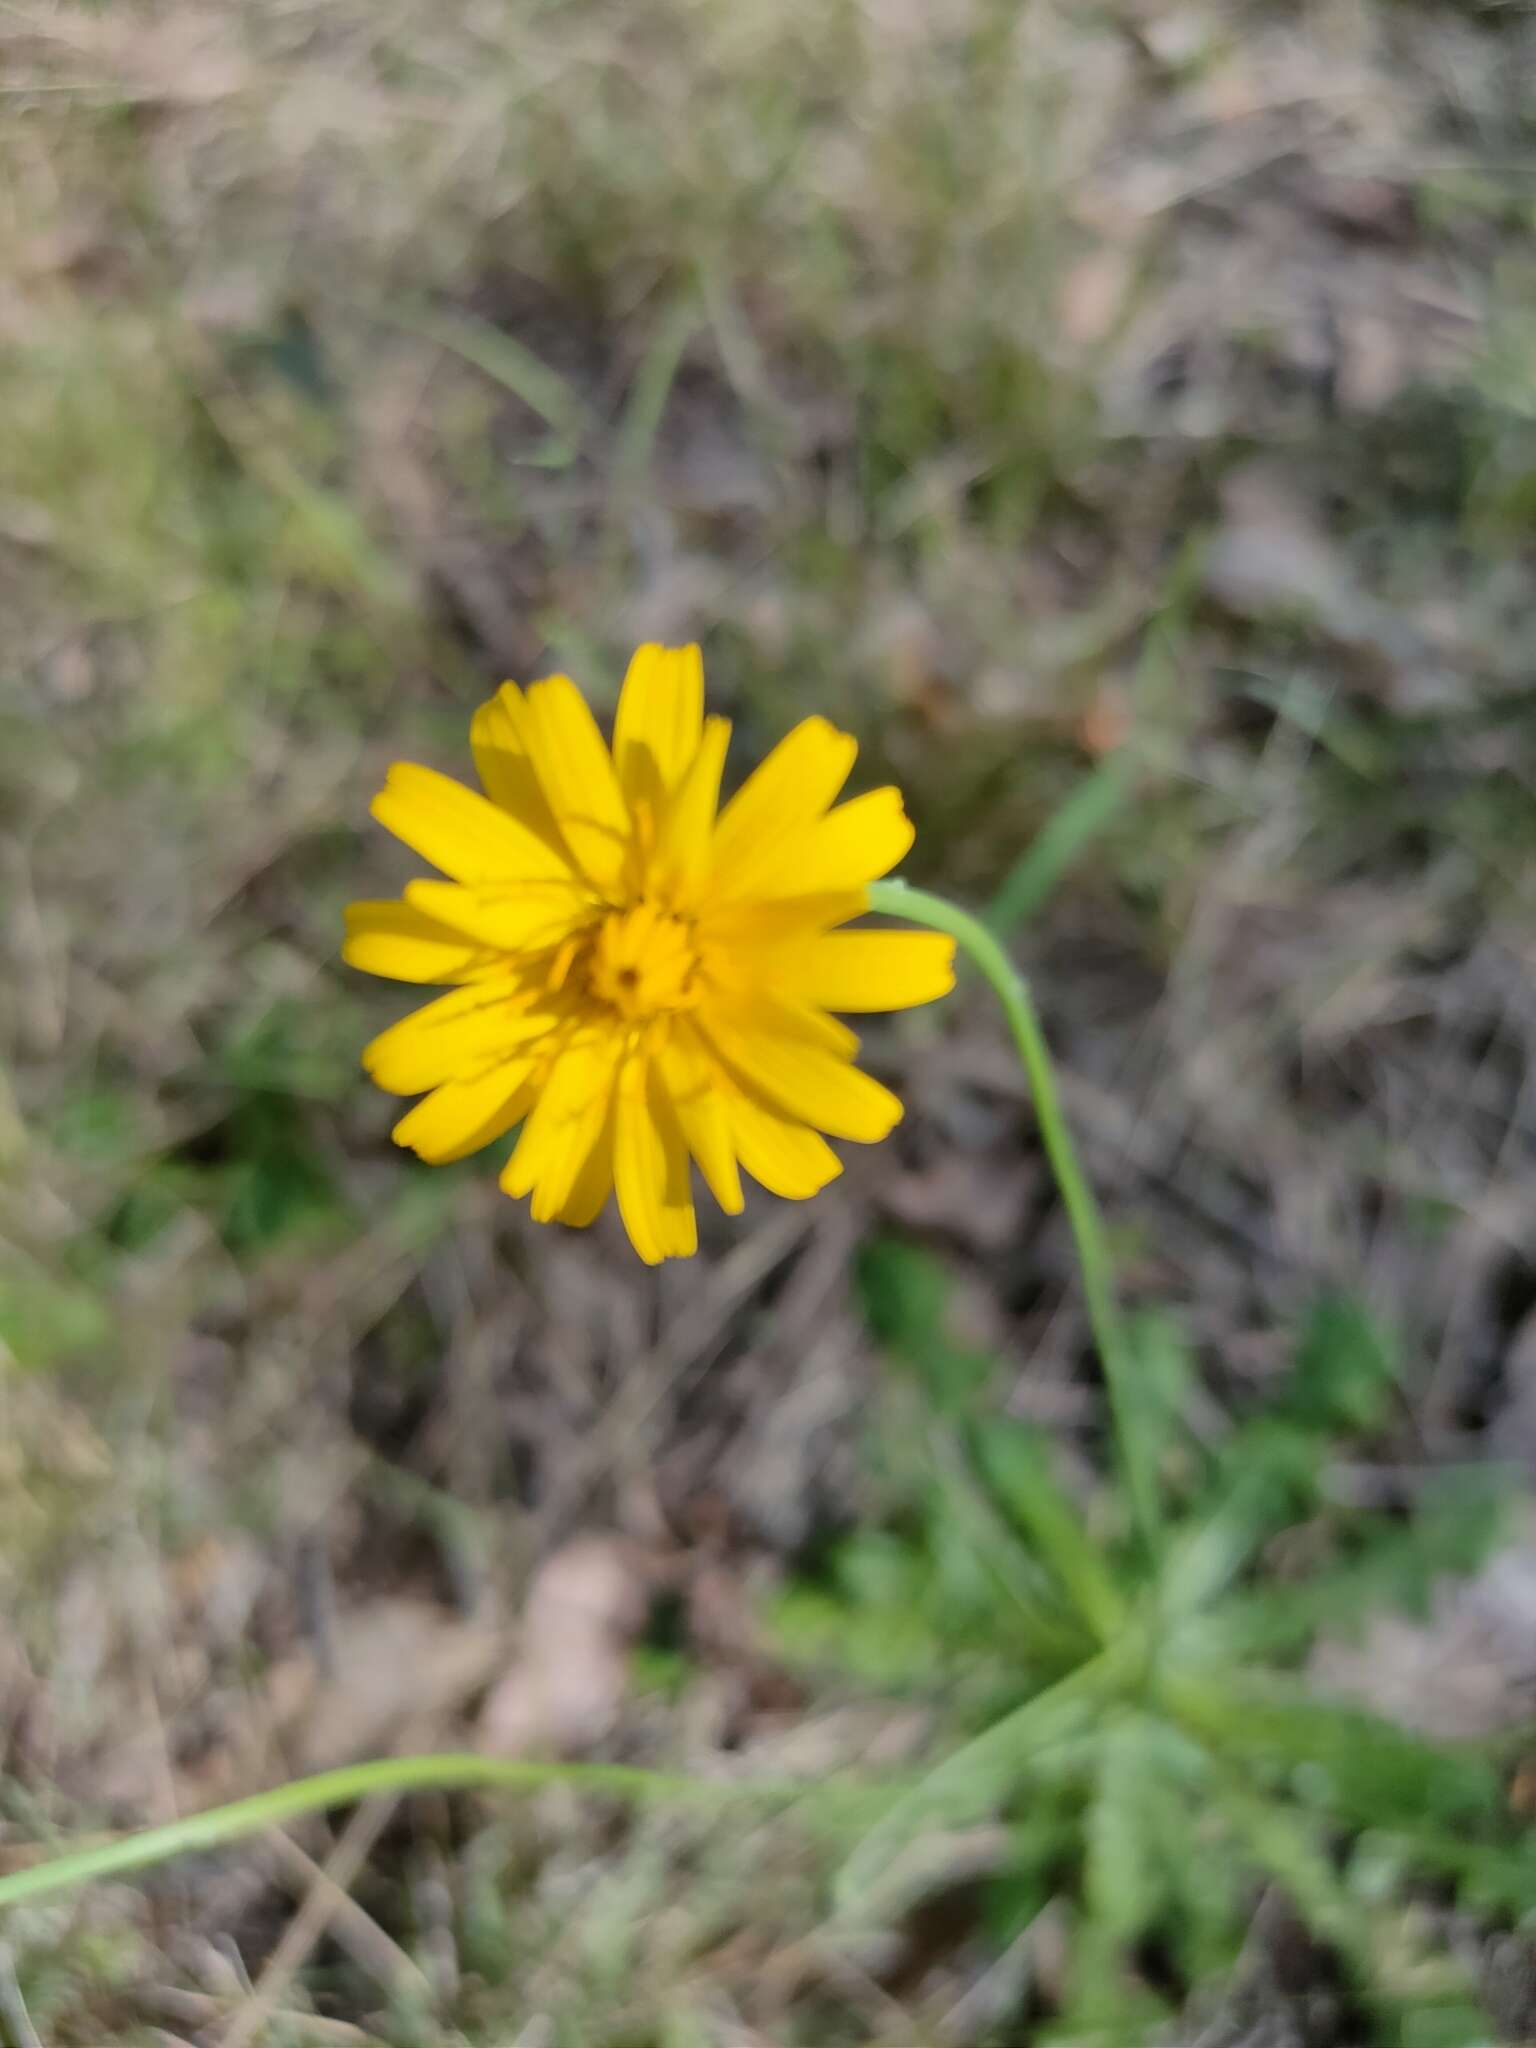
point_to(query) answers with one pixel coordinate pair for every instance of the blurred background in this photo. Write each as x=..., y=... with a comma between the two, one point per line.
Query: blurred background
x=1123, y=418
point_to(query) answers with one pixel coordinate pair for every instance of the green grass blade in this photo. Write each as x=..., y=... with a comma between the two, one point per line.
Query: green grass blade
x=1358, y=1765
x=1047, y=1632
x=447, y=1772
x=641, y=422
x=1067, y=835
x=1126, y=1834
x=983, y=1773
x=1016, y=1464
x=1490, y=1877
x=1106, y=792
x=518, y=370
x=1282, y=1844
x=1205, y=1556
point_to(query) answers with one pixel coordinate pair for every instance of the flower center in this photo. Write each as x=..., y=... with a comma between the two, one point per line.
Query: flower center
x=643, y=961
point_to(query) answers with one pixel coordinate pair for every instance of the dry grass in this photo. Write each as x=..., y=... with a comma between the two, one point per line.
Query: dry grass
x=1016, y=385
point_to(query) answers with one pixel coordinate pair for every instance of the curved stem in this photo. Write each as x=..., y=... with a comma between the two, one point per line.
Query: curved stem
x=899, y=899
x=447, y=1772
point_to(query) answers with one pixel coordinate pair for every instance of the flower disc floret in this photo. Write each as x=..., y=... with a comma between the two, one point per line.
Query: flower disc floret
x=644, y=963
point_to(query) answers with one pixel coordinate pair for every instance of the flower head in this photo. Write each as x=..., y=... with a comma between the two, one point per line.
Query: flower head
x=636, y=975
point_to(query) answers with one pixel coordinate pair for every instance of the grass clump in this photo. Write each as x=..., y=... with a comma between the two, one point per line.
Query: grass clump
x=1142, y=1721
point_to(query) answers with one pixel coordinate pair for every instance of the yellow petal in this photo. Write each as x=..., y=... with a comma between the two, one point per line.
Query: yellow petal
x=855, y=844
x=594, y=1183
x=650, y=1168
x=697, y=1094
x=563, y=1125
x=523, y=917
x=459, y=1117
x=460, y=831
x=748, y=1007
x=779, y=799
x=867, y=970
x=461, y=1033
x=659, y=720
x=576, y=775
x=681, y=861
x=785, y=1157
x=506, y=769
x=396, y=940
x=759, y=922
x=805, y=1082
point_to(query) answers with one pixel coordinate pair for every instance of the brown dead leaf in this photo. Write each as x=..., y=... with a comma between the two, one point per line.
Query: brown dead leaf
x=1095, y=292
x=1464, y=1674
x=1373, y=208
x=187, y=59
x=1271, y=561
x=26, y=1736
x=399, y=1671
x=723, y=1623
x=1175, y=37
x=1107, y=723
x=1375, y=359
x=981, y=1199
x=586, y=1606
x=397, y=1665
x=904, y=640
x=215, y=1584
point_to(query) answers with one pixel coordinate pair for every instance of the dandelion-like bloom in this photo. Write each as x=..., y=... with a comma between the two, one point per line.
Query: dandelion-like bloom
x=637, y=975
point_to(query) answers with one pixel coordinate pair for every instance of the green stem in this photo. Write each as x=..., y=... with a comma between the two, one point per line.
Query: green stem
x=898, y=899
x=447, y=1772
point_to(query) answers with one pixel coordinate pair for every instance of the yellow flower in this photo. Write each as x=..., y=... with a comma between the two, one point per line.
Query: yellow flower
x=634, y=977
